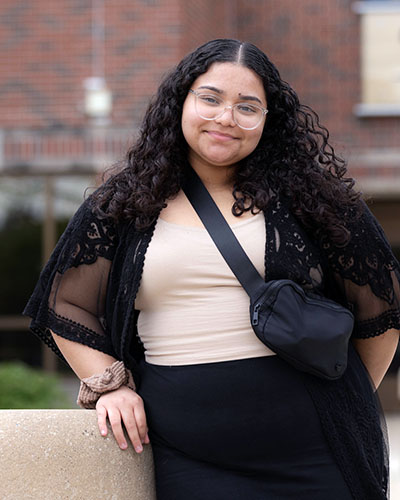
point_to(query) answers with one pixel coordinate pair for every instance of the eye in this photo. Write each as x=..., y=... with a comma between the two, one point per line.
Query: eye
x=247, y=109
x=209, y=99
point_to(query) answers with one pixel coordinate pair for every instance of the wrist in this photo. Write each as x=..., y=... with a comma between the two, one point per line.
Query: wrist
x=113, y=377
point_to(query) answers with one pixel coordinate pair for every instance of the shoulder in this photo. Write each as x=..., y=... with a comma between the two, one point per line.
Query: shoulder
x=365, y=234
x=367, y=257
x=89, y=234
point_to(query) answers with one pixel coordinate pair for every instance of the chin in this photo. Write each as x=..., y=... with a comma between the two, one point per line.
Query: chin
x=221, y=162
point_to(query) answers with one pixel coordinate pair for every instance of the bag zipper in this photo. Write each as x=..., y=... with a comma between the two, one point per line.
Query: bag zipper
x=305, y=297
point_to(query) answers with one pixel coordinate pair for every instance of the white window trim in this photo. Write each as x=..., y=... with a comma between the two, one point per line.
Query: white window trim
x=367, y=7
x=365, y=110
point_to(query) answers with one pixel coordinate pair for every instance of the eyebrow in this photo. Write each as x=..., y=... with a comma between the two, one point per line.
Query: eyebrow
x=244, y=97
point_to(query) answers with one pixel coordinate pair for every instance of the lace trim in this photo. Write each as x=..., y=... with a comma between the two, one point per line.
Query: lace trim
x=72, y=330
x=377, y=326
x=138, y=259
x=46, y=337
x=374, y=260
x=86, y=239
x=322, y=266
x=99, y=242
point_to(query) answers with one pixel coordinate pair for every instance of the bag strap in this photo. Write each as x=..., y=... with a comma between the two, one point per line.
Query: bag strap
x=222, y=235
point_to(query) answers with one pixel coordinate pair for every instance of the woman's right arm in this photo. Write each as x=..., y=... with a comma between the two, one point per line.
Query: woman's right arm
x=121, y=406
x=70, y=298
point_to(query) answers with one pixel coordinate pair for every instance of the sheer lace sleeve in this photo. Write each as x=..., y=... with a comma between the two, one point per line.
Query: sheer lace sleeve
x=368, y=276
x=69, y=298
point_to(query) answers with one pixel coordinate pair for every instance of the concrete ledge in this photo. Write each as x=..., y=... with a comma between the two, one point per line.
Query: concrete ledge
x=59, y=455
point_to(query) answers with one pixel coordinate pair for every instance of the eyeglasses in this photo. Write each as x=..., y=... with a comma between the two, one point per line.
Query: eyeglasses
x=245, y=115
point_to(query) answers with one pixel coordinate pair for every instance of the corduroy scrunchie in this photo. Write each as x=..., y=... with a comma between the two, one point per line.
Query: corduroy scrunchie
x=112, y=378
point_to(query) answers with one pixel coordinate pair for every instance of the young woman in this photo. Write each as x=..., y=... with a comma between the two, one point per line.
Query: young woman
x=136, y=286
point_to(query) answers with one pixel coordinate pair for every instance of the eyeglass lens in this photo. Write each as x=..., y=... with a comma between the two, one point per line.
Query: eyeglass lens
x=211, y=107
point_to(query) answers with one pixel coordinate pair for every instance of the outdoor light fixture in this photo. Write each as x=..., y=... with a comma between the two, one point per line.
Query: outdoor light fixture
x=98, y=98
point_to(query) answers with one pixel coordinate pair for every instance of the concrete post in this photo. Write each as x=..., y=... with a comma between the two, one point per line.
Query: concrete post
x=60, y=455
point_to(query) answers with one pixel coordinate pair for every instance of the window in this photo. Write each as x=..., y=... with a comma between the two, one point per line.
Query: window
x=380, y=58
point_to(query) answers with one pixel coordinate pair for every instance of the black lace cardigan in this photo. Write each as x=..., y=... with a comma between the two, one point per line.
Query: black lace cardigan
x=86, y=293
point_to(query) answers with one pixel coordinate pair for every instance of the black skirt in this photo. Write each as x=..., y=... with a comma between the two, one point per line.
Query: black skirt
x=237, y=430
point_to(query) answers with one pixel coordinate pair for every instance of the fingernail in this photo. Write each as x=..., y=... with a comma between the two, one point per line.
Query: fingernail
x=103, y=432
x=139, y=449
x=123, y=446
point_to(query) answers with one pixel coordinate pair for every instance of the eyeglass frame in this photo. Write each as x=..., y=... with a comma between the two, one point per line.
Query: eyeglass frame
x=231, y=107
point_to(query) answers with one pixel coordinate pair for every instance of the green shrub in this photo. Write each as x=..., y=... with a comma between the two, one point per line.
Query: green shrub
x=23, y=387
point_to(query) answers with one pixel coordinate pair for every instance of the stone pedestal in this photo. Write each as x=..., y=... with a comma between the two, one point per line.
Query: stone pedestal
x=60, y=455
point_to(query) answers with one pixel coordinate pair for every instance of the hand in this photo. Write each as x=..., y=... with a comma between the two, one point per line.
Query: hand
x=123, y=406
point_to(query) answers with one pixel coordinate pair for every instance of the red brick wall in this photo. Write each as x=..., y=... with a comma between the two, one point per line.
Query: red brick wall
x=204, y=20
x=46, y=53
x=315, y=45
x=42, y=61
x=142, y=43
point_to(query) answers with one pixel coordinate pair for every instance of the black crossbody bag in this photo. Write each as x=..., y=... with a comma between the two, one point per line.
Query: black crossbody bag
x=307, y=330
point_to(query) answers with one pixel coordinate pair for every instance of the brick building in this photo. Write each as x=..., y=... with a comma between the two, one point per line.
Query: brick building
x=49, y=50
x=51, y=124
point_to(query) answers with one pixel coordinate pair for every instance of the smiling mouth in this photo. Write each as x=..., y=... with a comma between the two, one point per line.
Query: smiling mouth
x=220, y=135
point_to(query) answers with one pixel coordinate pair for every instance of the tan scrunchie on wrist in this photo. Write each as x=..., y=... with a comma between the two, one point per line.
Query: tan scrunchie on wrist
x=112, y=378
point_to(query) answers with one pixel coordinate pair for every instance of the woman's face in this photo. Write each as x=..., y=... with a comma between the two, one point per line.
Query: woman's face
x=220, y=142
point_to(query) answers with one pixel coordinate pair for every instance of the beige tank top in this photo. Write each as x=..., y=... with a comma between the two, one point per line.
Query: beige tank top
x=192, y=308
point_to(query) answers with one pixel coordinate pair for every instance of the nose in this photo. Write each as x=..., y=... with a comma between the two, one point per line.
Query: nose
x=226, y=117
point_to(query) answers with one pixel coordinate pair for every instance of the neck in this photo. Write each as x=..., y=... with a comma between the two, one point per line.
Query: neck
x=215, y=178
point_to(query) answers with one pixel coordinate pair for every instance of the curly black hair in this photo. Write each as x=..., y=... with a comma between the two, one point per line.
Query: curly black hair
x=293, y=158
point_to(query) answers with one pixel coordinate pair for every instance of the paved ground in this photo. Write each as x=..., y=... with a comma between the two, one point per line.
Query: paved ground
x=393, y=422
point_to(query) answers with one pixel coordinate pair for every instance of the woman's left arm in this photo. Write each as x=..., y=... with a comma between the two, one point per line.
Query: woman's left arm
x=367, y=275
x=377, y=353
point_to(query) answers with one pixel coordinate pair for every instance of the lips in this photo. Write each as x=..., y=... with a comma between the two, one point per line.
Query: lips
x=220, y=136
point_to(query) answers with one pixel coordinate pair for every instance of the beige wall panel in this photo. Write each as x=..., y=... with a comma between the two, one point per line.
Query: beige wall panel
x=380, y=56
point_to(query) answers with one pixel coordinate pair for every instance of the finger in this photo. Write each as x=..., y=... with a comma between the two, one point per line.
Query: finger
x=130, y=423
x=101, y=419
x=140, y=417
x=114, y=417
